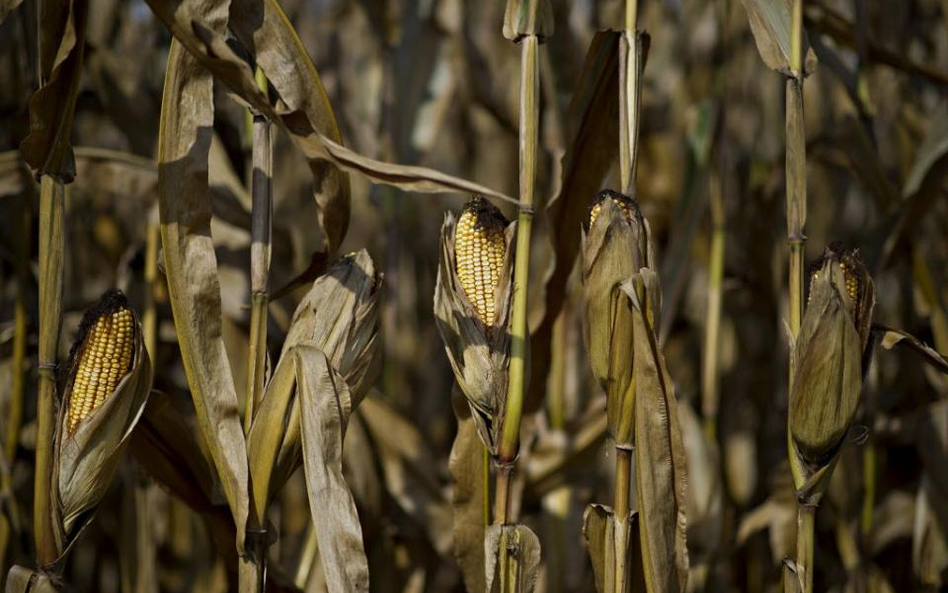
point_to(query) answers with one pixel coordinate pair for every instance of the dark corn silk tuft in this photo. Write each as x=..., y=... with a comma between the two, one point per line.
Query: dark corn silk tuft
x=480, y=246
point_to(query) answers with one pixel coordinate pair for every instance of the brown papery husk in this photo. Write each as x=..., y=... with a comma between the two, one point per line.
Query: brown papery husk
x=613, y=251
x=339, y=316
x=828, y=381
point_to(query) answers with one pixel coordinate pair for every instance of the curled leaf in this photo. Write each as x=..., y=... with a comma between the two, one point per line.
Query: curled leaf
x=326, y=403
x=660, y=466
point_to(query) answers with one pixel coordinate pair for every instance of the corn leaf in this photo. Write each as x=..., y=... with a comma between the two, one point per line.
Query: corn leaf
x=270, y=428
x=660, y=476
x=168, y=445
x=593, y=149
x=414, y=483
x=61, y=43
x=922, y=188
x=770, y=23
x=512, y=559
x=466, y=466
x=892, y=337
x=326, y=404
x=599, y=530
x=8, y=6
x=187, y=117
x=23, y=580
x=304, y=112
x=528, y=17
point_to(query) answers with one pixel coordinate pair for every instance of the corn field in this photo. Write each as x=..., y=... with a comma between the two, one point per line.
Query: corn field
x=433, y=296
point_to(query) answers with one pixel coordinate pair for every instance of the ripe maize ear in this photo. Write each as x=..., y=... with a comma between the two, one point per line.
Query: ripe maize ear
x=104, y=357
x=480, y=246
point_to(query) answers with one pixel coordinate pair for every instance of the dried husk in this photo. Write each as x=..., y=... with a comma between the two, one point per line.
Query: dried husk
x=339, y=316
x=86, y=458
x=25, y=580
x=660, y=469
x=479, y=354
x=512, y=558
x=602, y=531
x=829, y=357
x=613, y=251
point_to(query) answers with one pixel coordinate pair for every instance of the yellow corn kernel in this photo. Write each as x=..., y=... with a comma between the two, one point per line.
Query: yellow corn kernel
x=479, y=247
x=623, y=202
x=104, y=358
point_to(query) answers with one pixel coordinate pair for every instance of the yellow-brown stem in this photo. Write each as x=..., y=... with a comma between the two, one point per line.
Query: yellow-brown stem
x=51, y=255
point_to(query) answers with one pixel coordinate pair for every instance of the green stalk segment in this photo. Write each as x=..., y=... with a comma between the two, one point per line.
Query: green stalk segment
x=510, y=435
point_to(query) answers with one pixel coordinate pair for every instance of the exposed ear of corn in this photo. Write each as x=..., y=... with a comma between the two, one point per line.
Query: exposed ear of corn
x=109, y=379
x=104, y=357
x=479, y=246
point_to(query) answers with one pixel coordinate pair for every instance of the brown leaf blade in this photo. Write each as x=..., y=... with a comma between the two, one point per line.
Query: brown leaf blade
x=325, y=405
x=304, y=112
x=61, y=43
x=770, y=24
x=660, y=471
x=466, y=465
x=513, y=559
x=191, y=267
x=593, y=113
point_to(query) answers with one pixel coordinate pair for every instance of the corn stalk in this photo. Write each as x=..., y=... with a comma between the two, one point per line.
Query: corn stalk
x=254, y=567
x=529, y=112
x=51, y=256
x=630, y=69
x=796, y=219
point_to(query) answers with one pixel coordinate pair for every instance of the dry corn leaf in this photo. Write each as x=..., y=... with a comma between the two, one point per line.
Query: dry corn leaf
x=921, y=190
x=24, y=580
x=339, y=316
x=930, y=534
x=415, y=484
x=326, y=404
x=593, y=149
x=512, y=559
x=660, y=471
x=304, y=112
x=467, y=466
x=169, y=446
x=770, y=23
x=61, y=47
x=891, y=337
x=187, y=118
x=599, y=531
x=8, y=6
x=528, y=17
x=273, y=442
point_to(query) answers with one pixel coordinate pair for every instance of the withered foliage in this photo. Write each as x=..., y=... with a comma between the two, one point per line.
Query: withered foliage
x=660, y=322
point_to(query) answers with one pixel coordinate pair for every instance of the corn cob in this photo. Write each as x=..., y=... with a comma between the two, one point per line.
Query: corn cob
x=479, y=247
x=103, y=356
